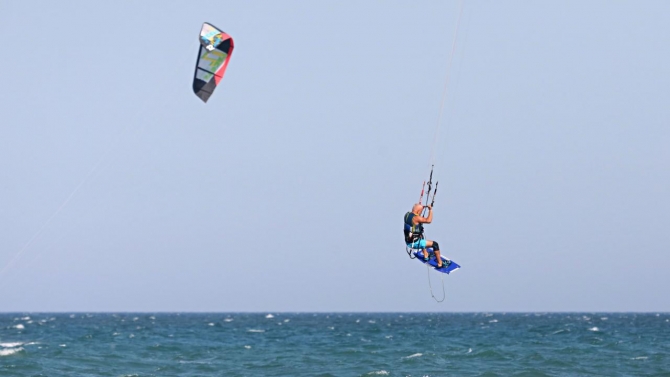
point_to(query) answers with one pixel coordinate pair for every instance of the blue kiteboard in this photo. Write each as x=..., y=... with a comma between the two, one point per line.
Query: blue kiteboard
x=447, y=265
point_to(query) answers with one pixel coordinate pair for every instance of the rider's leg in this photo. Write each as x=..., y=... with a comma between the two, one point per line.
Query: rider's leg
x=436, y=250
x=423, y=244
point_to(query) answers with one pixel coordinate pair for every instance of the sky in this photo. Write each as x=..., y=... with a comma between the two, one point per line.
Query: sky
x=121, y=191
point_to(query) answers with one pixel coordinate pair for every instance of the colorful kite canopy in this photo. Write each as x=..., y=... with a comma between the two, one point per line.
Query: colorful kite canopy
x=213, y=56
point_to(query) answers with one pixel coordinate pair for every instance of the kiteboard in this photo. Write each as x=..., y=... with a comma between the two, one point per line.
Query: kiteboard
x=447, y=265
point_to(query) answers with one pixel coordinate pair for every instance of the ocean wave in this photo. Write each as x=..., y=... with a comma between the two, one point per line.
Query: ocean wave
x=19, y=327
x=11, y=345
x=378, y=373
x=269, y=316
x=594, y=329
x=412, y=356
x=255, y=330
x=10, y=351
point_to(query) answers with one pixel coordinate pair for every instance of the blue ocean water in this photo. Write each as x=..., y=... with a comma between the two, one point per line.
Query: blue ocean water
x=339, y=344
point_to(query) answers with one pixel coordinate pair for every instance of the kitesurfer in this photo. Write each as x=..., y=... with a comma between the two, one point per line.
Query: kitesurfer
x=414, y=232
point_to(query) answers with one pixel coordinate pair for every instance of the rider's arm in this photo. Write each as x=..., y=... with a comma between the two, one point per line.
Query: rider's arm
x=425, y=220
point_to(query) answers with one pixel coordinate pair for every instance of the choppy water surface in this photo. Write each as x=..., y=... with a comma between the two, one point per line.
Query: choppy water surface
x=282, y=344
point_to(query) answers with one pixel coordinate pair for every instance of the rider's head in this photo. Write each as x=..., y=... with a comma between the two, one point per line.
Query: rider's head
x=417, y=208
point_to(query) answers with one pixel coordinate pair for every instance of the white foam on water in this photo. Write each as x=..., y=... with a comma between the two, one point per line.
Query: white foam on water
x=255, y=330
x=269, y=316
x=559, y=331
x=131, y=336
x=493, y=321
x=413, y=356
x=379, y=373
x=63, y=345
x=640, y=358
x=28, y=318
x=135, y=319
x=11, y=345
x=603, y=318
x=19, y=327
x=247, y=347
x=228, y=320
x=152, y=318
x=594, y=329
x=469, y=350
x=372, y=321
x=388, y=336
x=72, y=315
x=10, y=351
x=331, y=328
x=358, y=320
x=286, y=320
x=210, y=324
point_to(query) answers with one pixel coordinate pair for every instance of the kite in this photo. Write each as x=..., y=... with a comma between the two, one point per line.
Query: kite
x=216, y=47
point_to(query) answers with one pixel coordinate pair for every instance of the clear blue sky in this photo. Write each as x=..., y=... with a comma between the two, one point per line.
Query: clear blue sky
x=285, y=192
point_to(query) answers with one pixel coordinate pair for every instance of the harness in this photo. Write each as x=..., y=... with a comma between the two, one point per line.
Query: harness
x=413, y=232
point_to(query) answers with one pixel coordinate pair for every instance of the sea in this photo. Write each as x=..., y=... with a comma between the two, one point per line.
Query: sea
x=334, y=344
